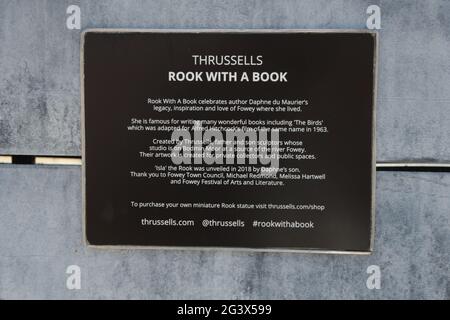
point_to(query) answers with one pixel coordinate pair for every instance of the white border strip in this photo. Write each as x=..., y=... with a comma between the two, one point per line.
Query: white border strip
x=5, y=159
x=58, y=161
x=412, y=165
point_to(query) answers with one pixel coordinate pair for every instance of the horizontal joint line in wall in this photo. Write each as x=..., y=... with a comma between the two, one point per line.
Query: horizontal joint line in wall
x=77, y=161
x=412, y=164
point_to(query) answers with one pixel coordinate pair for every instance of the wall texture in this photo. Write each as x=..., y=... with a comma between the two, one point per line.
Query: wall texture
x=40, y=206
x=39, y=59
x=41, y=236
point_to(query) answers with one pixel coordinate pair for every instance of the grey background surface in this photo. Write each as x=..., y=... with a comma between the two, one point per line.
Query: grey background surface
x=40, y=206
x=39, y=60
x=40, y=238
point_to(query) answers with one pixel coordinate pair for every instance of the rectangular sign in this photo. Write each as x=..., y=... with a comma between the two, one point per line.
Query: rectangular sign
x=253, y=139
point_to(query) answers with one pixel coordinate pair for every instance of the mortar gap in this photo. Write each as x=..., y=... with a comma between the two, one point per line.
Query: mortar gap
x=415, y=169
x=22, y=159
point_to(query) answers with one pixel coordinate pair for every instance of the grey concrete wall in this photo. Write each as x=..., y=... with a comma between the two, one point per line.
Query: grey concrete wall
x=39, y=60
x=40, y=206
x=40, y=235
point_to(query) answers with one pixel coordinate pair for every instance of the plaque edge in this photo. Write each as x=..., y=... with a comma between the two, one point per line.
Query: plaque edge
x=370, y=249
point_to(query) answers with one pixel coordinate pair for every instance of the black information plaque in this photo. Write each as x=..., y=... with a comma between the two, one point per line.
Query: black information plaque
x=308, y=186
